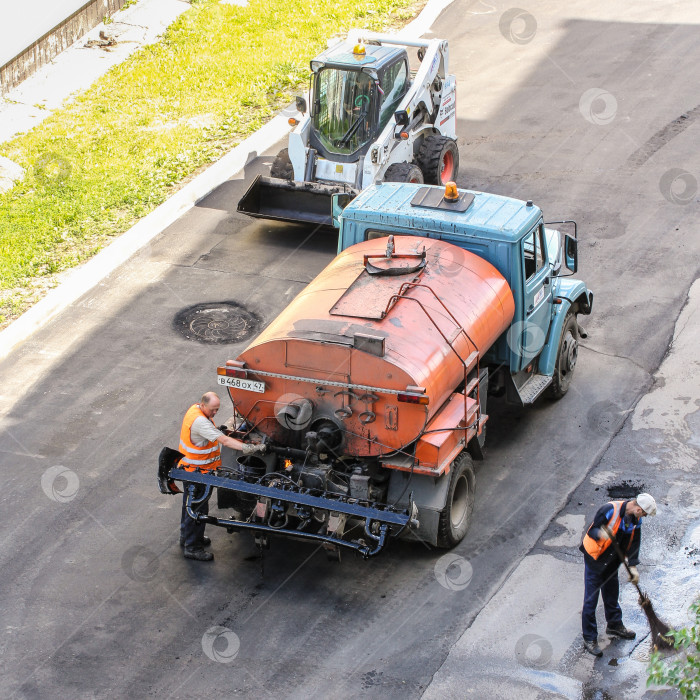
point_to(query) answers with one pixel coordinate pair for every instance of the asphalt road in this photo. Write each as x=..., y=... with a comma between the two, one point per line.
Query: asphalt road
x=97, y=600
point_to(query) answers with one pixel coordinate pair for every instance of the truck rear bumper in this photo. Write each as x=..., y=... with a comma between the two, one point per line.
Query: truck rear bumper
x=380, y=522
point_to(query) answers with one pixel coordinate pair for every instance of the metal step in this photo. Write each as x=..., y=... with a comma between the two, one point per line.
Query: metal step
x=533, y=387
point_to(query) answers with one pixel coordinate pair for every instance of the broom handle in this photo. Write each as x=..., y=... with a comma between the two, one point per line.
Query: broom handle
x=613, y=539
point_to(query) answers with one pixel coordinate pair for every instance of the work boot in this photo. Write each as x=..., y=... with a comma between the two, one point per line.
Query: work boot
x=620, y=631
x=204, y=542
x=591, y=646
x=197, y=553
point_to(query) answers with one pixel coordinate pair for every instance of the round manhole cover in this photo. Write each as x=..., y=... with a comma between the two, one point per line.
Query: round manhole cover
x=217, y=322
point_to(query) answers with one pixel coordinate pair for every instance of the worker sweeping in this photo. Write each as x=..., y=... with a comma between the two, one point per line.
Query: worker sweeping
x=619, y=522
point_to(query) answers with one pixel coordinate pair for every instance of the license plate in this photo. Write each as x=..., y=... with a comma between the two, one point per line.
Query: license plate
x=245, y=384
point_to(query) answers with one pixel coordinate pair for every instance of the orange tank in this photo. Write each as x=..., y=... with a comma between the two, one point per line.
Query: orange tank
x=375, y=346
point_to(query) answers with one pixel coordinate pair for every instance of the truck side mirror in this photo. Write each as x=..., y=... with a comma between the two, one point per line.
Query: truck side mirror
x=571, y=252
x=301, y=104
x=339, y=201
x=401, y=117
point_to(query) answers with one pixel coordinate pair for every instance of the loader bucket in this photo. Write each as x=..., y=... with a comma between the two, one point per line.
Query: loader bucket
x=286, y=200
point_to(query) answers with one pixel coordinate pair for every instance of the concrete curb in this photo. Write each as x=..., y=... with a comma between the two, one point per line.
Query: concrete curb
x=83, y=278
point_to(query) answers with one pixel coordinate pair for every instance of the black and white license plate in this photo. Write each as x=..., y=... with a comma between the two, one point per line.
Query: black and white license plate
x=245, y=384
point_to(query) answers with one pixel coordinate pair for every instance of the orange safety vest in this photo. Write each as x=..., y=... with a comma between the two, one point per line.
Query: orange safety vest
x=596, y=547
x=206, y=458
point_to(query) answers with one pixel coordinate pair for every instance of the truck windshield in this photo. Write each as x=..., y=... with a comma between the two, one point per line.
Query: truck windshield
x=344, y=104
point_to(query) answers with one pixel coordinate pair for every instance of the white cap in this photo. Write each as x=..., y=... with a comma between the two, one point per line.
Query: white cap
x=646, y=503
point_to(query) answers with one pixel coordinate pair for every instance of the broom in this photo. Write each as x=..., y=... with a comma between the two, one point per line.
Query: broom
x=659, y=629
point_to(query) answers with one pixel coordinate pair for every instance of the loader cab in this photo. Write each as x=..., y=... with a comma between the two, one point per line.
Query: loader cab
x=355, y=92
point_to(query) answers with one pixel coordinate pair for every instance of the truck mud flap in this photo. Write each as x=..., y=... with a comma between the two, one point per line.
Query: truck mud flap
x=167, y=459
x=286, y=200
x=380, y=522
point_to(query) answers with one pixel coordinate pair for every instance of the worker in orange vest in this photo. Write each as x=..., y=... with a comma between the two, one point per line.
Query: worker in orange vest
x=621, y=520
x=200, y=442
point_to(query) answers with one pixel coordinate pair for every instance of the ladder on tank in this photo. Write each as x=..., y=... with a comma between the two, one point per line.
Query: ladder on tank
x=474, y=356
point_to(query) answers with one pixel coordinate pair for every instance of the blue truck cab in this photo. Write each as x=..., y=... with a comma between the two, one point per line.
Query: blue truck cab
x=538, y=353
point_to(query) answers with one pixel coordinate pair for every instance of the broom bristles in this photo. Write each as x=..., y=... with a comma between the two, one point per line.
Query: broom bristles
x=659, y=629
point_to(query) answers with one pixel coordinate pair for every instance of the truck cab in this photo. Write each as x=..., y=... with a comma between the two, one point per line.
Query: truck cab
x=538, y=353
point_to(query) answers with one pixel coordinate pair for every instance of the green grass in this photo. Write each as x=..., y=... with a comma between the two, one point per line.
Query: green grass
x=121, y=148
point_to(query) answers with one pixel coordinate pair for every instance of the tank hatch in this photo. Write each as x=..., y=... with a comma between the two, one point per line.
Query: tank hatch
x=370, y=295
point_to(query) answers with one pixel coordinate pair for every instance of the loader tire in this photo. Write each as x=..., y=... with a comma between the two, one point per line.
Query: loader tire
x=456, y=516
x=567, y=354
x=403, y=172
x=438, y=158
x=282, y=166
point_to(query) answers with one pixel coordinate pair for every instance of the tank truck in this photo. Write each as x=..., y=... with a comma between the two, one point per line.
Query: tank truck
x=369, y=391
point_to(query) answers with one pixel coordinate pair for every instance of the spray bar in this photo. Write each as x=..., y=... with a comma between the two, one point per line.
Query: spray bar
x=337, y=505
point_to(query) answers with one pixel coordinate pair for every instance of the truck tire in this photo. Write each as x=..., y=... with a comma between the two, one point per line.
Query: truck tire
x=438, y=158
x=456, y=516
x=403, y=172
x=282, y=166
x=566, y=358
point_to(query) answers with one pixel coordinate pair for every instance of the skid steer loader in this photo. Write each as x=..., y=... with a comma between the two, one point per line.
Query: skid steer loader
x=370, y=119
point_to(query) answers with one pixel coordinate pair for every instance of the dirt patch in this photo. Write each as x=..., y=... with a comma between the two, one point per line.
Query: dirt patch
x=625, y=489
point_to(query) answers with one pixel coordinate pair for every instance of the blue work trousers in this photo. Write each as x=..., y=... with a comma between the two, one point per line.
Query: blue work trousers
x=190, y=530
x=606, y=583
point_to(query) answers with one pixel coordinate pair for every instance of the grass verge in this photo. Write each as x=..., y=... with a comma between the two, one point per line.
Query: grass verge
x=121, y=148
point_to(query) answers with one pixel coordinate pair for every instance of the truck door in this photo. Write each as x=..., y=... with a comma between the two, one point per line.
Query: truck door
x=537, y=296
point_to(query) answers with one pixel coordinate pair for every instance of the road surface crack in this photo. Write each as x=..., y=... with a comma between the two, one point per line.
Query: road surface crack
x=612, y=354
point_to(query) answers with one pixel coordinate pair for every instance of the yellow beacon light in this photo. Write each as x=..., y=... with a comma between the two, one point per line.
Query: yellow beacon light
x=359, y=50
x=451, y=191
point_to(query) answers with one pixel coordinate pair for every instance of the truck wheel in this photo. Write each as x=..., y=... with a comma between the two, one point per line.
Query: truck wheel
x=403, y=172
x=438, y=158
x=456, y=516
x=566, y=358
x=282, y=166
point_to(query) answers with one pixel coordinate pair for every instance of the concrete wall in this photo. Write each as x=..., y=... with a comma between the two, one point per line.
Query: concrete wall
x=58, y=37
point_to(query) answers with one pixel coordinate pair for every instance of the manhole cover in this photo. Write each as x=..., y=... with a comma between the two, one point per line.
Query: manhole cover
x=217, y=322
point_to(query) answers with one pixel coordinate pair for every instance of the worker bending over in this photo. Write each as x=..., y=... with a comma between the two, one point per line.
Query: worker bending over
x=621, y=520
